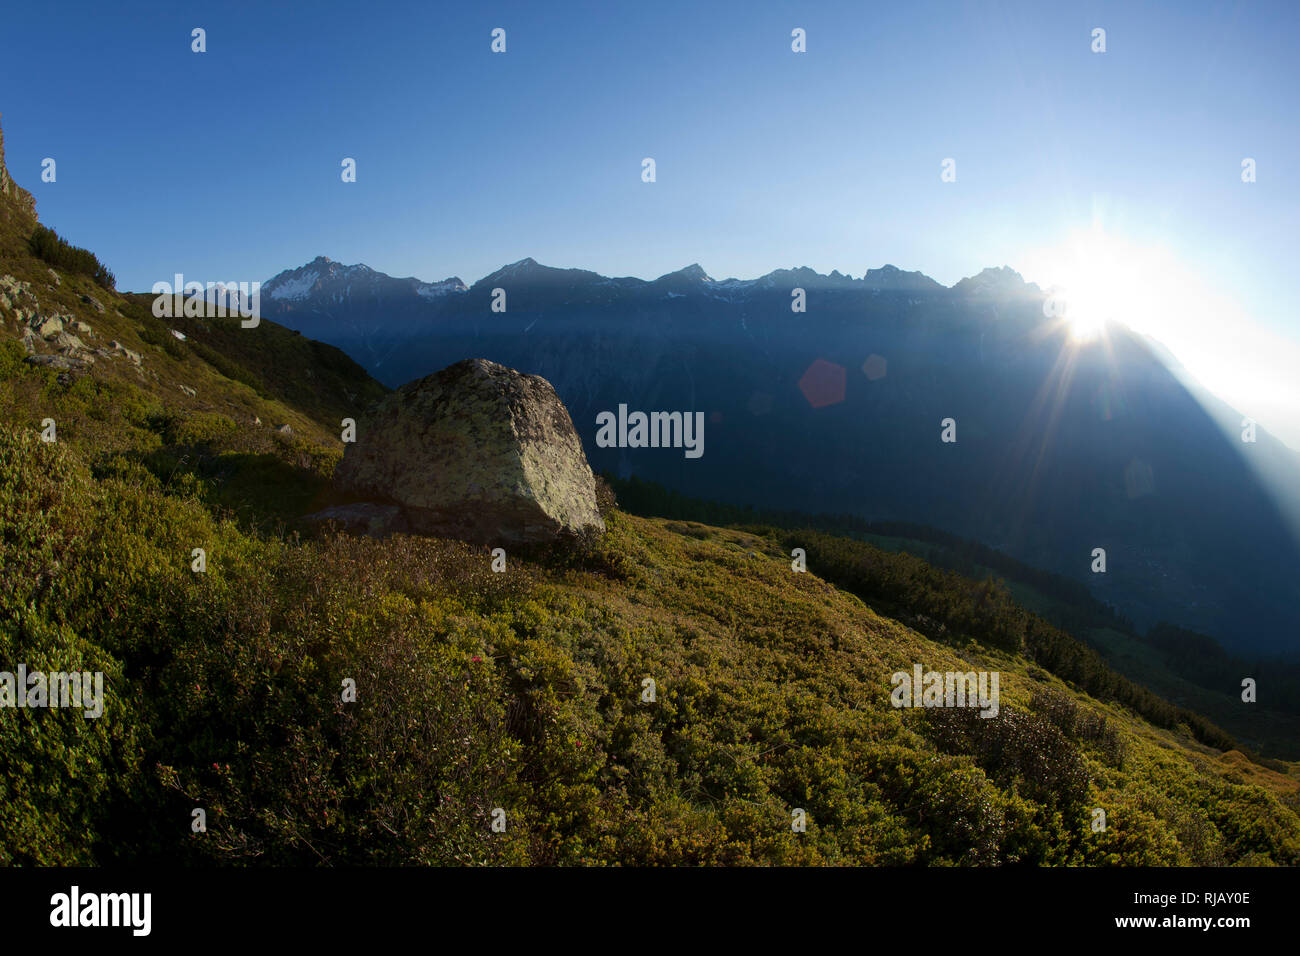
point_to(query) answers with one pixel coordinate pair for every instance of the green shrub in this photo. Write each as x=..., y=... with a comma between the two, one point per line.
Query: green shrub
x=46, y=244
x=198, y=428
x=162, y=338
x=940, y=604
x=230, y=369
x=45, y=497
x=1080, y=724
x=1015, y=748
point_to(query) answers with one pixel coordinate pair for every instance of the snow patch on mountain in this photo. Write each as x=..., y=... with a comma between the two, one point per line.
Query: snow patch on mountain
x=294, y=288
x=436, y=290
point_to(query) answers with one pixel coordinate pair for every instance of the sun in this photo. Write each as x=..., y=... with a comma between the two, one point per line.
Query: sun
x=1084, y=324
x=1103, y=286
x=1094, y=283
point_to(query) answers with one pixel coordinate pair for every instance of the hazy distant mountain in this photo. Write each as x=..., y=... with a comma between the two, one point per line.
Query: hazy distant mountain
x=1060, y=449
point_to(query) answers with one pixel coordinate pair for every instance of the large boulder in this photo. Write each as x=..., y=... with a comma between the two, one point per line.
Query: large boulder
x=477, y=451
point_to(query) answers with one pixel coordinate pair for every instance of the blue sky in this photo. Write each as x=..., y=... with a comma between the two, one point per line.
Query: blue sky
x=225, y=165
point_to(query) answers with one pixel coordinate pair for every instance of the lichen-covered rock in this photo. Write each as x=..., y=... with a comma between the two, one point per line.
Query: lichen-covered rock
x=47, y=326
x=59, y=361
x=117, y=348
x=68, y=341
x=477, y=451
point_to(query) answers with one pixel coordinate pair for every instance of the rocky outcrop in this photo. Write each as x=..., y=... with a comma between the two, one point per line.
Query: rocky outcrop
x=117, y=348
x=65, y=341
x=60, y=361
x=48, y=327
x=10, y=188
x=477, y=451
x=13, y=292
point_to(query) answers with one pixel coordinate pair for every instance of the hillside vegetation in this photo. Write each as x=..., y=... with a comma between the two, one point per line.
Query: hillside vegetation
x=1173, y=675
x=523, y=691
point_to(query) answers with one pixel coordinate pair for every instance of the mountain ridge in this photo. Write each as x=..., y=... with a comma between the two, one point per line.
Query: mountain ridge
x=885, y=278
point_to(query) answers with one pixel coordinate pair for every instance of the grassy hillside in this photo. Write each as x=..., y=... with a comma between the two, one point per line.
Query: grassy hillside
x=208, y=409
x=522, y=691
x=1190, y=671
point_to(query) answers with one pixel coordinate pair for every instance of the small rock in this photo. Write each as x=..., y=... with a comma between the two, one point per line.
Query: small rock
x=92, y=301
x=121, y=349
x=189, y=391
x=285, y=430
x=55, y=275
x=83, y=327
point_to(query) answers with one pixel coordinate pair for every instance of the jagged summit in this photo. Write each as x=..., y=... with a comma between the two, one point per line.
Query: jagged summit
x=692, y=273
x=891, y=278
x=528, y=270
x=1000, y=280
x=525, y=266
x=335, y=280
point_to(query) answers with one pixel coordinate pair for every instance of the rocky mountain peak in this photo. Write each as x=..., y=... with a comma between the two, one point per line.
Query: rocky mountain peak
x=999, y=280
x=891, y=278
